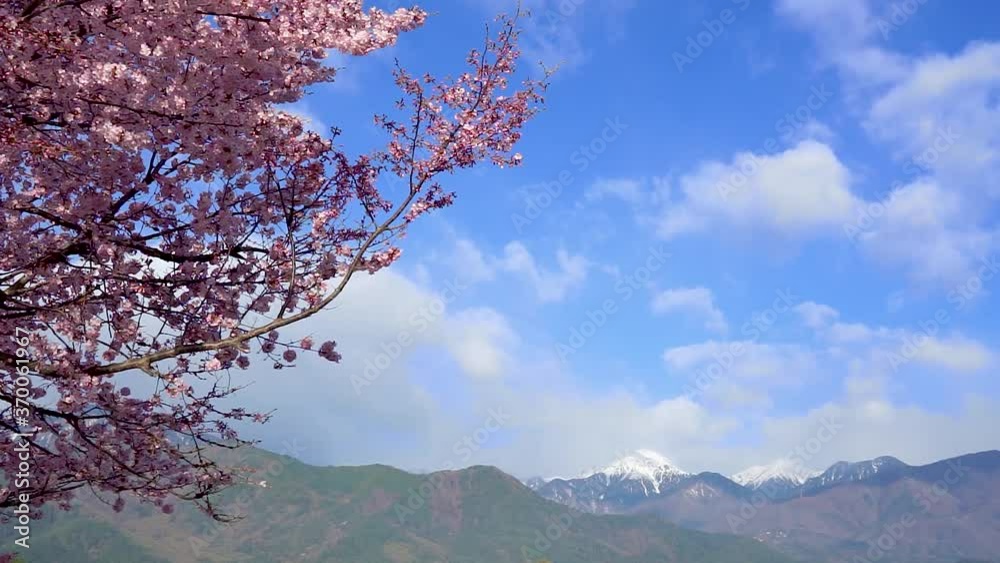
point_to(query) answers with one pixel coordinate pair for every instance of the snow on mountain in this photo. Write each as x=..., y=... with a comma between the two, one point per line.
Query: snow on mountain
x=702, y=490
x=535, y=483
x=845, y=471
x=645, y=466
x=783, y=470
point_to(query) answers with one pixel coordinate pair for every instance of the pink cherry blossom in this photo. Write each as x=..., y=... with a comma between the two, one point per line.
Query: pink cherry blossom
x=161, y=215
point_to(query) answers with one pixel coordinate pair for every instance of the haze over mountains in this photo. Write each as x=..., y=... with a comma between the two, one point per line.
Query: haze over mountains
x=376, y=514
x=944, y=511
x=639, y=509
x=783, y=471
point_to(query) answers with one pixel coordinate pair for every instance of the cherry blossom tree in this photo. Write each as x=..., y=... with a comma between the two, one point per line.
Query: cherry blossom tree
x=163, y=218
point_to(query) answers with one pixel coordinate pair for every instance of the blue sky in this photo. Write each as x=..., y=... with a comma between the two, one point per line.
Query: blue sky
x=841, y=153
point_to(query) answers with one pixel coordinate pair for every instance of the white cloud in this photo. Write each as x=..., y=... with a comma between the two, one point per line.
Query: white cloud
x=698, y=301
x=955, y=354
x=479, y=340
x=942, y=115
x=548, y=411
x=731, y=395
x=871, y=66
x=309, y=118
x=554, y=45
x=380, y=324
x=628, y=190
x=348, y=78
x=839, y=21
x=939, y=77
x=549, y=285
x=776, y=363
x=797, y=192
x=468, y=260
x=929, y=227
x=814, y=130
x=845, y=333
x=551, y=34
x=555, y=30
x=635, y=191
x=938, y=114
x=865, y=426
x=816, y=315
x=864, y=385
x=925, y=229
x=549, y=426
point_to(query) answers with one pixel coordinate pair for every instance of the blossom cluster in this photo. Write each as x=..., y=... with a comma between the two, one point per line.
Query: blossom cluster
x=161, y=215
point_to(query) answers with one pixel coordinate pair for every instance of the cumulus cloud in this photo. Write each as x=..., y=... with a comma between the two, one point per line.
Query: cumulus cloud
x=731, y=395
x=397, y=338
x=942, y=115
x=629, y=190
x=800, y=191
x=839, y=21
x=957, y=354
x=462, y=362
x=816, y=315
x=850, y=332
x=549, y=285
x=612, y=423
x=866, y=426
x=479, y=340
x=925, y=229
x=937, y=112
x=634, y=191
x=381, y=323
x=311, y=121
x=776, y=363
x=555, y=33
x=889, y=347
x=697, y=301
x=470, y=261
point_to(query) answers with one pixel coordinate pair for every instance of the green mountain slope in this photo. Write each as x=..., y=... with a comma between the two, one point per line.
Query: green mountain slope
x=70, y=537
x=377, y=514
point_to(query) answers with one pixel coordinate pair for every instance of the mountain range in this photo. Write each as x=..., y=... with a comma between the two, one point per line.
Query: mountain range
x=639, y=509
x=374, y=514
x=941, y=512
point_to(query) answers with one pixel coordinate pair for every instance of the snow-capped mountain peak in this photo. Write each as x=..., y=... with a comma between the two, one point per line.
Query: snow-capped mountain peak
x=858, y=471
x=783, y=470
x=641, y=465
